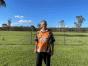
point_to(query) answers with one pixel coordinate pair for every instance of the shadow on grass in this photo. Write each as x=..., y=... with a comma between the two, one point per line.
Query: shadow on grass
x=71, y=44
x=16, y=44
x=70, y=35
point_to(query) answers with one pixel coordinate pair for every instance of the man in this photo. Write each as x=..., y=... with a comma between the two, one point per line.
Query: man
x=44, y=44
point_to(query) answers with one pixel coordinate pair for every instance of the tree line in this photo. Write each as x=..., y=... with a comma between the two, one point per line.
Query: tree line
x=33, y=28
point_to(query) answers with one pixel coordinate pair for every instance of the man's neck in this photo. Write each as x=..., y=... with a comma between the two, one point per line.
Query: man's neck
x=43, y=29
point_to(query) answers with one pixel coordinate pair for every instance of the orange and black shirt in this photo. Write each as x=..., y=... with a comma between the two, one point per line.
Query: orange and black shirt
x=42, y=40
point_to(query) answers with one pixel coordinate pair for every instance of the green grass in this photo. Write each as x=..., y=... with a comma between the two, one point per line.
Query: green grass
x=12, y=37
x=16, y=49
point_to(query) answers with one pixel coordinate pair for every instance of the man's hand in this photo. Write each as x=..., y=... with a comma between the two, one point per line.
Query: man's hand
x=52, y=53
x=35, y=51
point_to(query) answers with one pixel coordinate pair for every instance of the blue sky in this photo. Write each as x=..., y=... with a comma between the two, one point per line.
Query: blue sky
x=51, y=10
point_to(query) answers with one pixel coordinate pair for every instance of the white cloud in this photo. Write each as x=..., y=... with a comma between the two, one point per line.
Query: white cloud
x=0, y=25
x=25, y=21
x=17, y=16
x=66, y=26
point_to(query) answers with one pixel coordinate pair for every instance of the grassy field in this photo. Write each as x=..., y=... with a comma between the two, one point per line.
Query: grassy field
x=16, y=49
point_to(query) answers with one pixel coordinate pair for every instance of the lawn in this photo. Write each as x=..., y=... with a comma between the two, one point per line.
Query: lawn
x=16, y=49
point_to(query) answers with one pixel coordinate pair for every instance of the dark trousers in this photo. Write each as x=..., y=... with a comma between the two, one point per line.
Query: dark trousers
x=43, y=56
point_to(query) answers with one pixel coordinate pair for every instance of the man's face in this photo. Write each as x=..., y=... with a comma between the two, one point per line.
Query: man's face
x=42, y=25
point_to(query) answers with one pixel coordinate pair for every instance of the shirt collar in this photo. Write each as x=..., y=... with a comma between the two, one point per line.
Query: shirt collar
x=43, y=30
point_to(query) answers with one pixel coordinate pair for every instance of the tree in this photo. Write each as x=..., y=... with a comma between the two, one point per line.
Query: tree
x=62, y=25
x=38, y=27
x=33, y=28
x=9, y=24
x=62, y=28
x=79, y=22
x=2, y=3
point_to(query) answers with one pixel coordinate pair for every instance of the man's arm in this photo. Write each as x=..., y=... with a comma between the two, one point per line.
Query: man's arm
x=51, y=42
x=36, y=42
x=52, y=49
x=35, y=50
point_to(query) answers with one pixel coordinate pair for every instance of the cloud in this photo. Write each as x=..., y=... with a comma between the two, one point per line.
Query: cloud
x=66, y=26
x=0, y=25
x=17, y=16
x=25, y=21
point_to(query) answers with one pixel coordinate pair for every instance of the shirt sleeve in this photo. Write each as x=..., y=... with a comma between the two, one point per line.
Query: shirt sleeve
x=36, y=38
x=51, y=38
